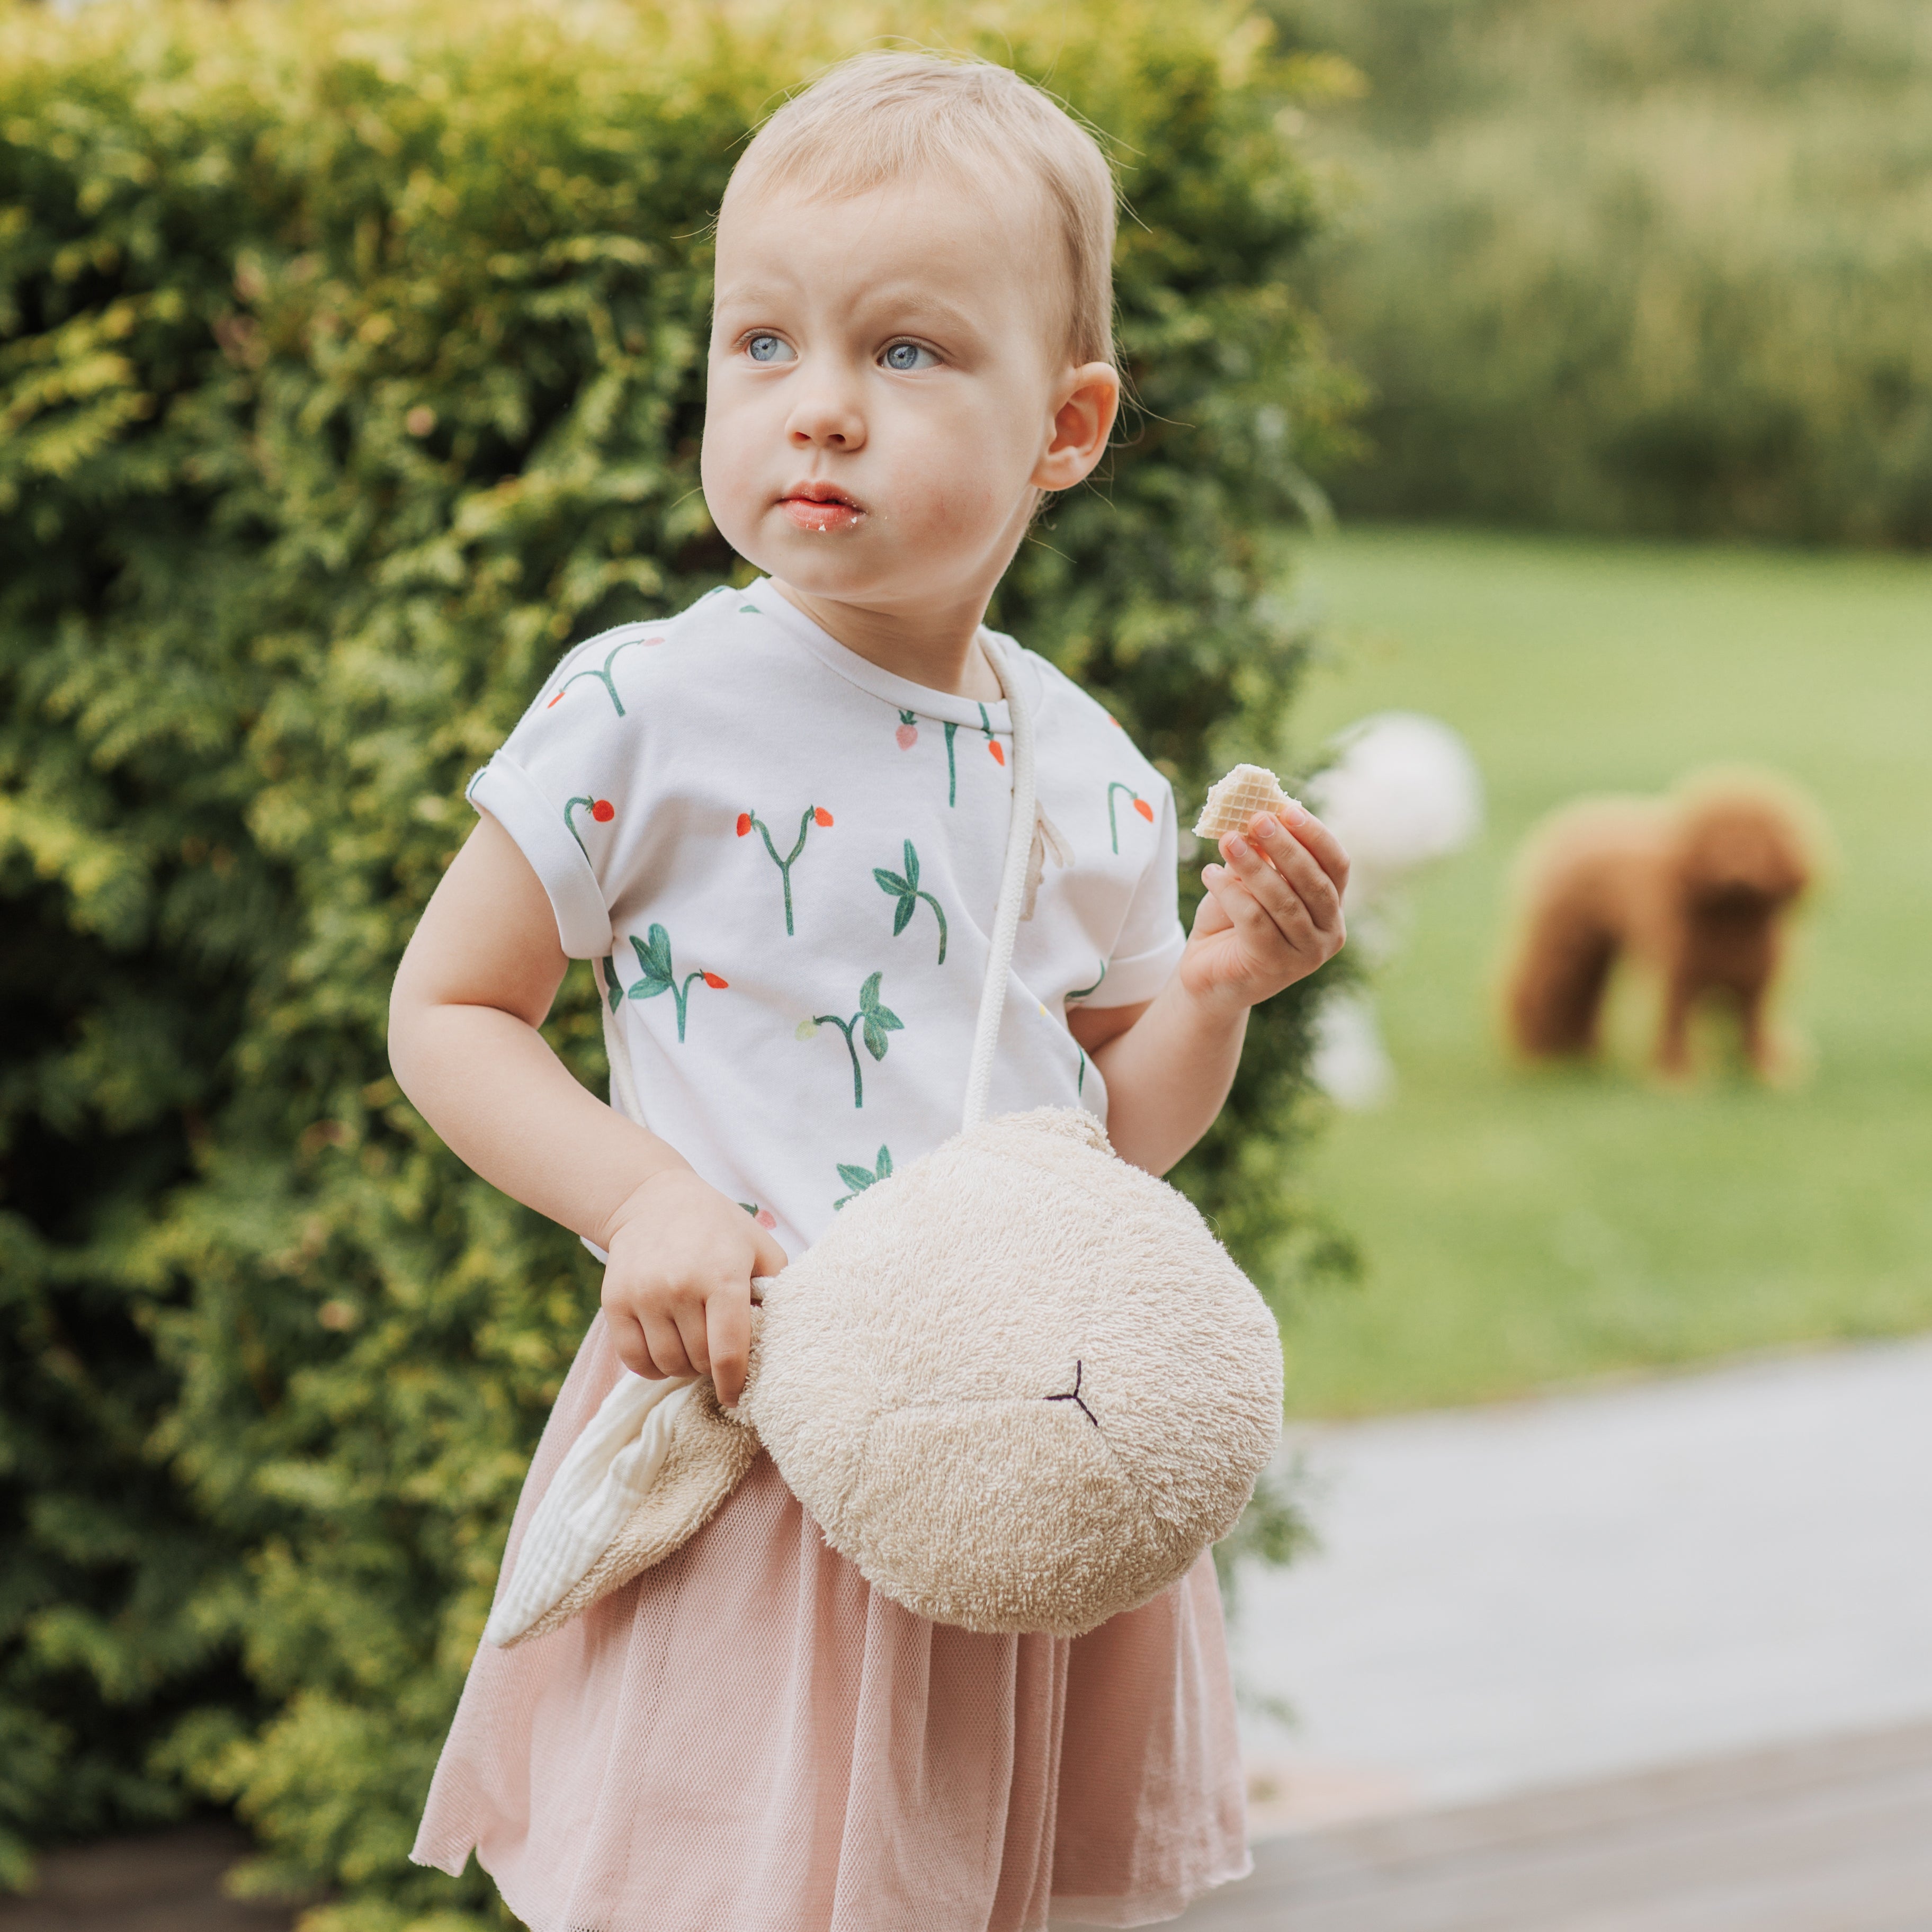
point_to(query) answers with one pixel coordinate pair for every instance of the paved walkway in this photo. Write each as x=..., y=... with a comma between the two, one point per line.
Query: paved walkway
x=1583, y=1586
x=1657, y=1658
x=1822, y=1837
x=156, y=1881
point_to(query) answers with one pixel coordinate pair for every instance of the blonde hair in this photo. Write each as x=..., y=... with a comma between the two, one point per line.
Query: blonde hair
x=884, y=117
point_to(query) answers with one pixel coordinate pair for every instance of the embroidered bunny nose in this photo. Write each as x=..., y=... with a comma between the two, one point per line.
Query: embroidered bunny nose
x=1073, y=1395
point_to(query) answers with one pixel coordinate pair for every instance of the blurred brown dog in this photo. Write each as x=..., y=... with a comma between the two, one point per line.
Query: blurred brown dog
x=1695, y=886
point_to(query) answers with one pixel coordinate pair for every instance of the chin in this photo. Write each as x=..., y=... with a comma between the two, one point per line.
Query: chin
x=839, y=564
x=805, y=569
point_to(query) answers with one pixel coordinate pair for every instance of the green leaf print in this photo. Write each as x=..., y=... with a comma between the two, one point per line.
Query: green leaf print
x=952, y=770
x=904, y=886
x=858, y=1179
x=604, y=676
x=654, y=961
x=871, y=1023
x=813, y=815
x=1140, y=806
x=657, y=975
x=1081, y=992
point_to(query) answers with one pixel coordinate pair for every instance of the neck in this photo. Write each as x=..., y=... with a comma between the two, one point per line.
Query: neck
x=938, y=649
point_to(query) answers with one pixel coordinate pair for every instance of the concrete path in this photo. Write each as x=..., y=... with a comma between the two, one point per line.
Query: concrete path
x=1822, y=1837
x=1590, y=1585
x=156, y=1882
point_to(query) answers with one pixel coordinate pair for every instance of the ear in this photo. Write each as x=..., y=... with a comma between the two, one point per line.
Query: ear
x=1085, y=403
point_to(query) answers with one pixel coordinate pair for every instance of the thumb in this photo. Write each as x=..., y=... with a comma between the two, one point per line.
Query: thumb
x=767, y=1257
x=1211, y=916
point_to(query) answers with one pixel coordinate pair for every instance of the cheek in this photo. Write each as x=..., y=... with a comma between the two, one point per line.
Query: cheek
x=725, y=468
x=958, y=475
x=967, y=503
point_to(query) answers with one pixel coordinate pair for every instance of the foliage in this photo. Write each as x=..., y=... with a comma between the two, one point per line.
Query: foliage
x=1660, y=267
x=350, y=367
x=1274, y=1528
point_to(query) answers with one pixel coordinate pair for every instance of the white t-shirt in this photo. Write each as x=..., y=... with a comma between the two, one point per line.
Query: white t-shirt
x=788, y=859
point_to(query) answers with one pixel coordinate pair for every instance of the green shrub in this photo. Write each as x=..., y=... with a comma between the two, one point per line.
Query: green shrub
x=1659, y=267
x=350, y=367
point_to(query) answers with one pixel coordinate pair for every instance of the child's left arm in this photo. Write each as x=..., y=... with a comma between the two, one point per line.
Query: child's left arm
x=1272, y=914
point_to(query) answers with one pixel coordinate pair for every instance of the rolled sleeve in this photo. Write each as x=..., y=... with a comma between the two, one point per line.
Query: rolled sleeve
x=1139, y=976
x=510, y=797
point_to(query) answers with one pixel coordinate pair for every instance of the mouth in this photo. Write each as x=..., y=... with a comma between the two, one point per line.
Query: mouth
x=820, y=508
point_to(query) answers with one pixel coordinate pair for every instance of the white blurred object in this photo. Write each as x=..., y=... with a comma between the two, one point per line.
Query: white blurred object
x=1350, y=1064
x=1402, y=793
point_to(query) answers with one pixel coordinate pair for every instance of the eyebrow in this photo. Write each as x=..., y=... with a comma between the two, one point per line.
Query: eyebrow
x=909, y=299
x=756, y=292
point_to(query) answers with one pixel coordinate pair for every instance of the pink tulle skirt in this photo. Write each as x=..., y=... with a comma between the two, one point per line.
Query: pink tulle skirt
x=748, y=1738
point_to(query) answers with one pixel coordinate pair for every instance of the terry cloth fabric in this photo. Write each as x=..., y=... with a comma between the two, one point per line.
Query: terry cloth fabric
x=1041, y=1460
x=786, y=860
x=749, y=1738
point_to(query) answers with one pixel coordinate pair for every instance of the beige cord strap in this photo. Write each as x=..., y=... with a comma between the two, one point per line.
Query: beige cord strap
x=1013, y=889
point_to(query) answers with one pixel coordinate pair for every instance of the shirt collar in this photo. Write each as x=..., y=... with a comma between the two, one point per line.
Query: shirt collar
x=948, y=707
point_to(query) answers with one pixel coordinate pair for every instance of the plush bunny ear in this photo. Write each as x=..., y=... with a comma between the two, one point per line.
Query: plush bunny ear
x=648, y=1471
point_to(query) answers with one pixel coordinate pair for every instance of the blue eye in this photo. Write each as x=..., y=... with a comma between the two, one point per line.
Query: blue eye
x=904, y=356
x=768, y=349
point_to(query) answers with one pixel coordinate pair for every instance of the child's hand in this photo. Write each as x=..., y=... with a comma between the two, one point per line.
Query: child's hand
x=1273, y=914
x=677, y=1291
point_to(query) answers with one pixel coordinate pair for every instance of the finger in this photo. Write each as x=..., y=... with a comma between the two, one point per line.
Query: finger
x=1244, y=912
x=693, y=1333
x=1252, y=865
x=1309, y=831
x=627, y=1338
x=1211, y=916
x=666, y=1345
x=768, y=1259
x=727, y=1320
x=1287, y=856
x=1276, y=899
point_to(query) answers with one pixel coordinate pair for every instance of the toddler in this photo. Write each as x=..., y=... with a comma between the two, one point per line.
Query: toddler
x=776, y=822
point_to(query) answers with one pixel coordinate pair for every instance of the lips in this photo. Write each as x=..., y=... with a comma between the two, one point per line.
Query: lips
x=820, y=508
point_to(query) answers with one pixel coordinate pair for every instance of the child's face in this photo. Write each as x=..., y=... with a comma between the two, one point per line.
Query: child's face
x=884, y=384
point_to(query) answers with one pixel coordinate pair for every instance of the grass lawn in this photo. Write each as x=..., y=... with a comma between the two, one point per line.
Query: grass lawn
x=1522, y=1229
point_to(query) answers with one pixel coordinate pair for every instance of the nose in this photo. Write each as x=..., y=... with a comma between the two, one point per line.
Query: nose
x=825, y=415
x=1073, y=1395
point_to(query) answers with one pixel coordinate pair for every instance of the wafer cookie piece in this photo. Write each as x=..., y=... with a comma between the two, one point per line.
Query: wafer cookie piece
x=1233, y=801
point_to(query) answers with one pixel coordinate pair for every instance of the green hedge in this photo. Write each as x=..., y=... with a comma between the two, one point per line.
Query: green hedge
x=350, y=367
x=1663, y=266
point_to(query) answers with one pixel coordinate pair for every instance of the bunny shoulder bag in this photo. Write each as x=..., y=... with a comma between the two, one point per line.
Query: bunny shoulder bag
x=1019, y=1383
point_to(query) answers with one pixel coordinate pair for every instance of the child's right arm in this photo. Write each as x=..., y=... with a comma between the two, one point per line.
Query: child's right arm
x=475, y=984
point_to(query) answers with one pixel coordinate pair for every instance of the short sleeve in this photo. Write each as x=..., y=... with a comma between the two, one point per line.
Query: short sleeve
x=562, y=784
x=1151, y=939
